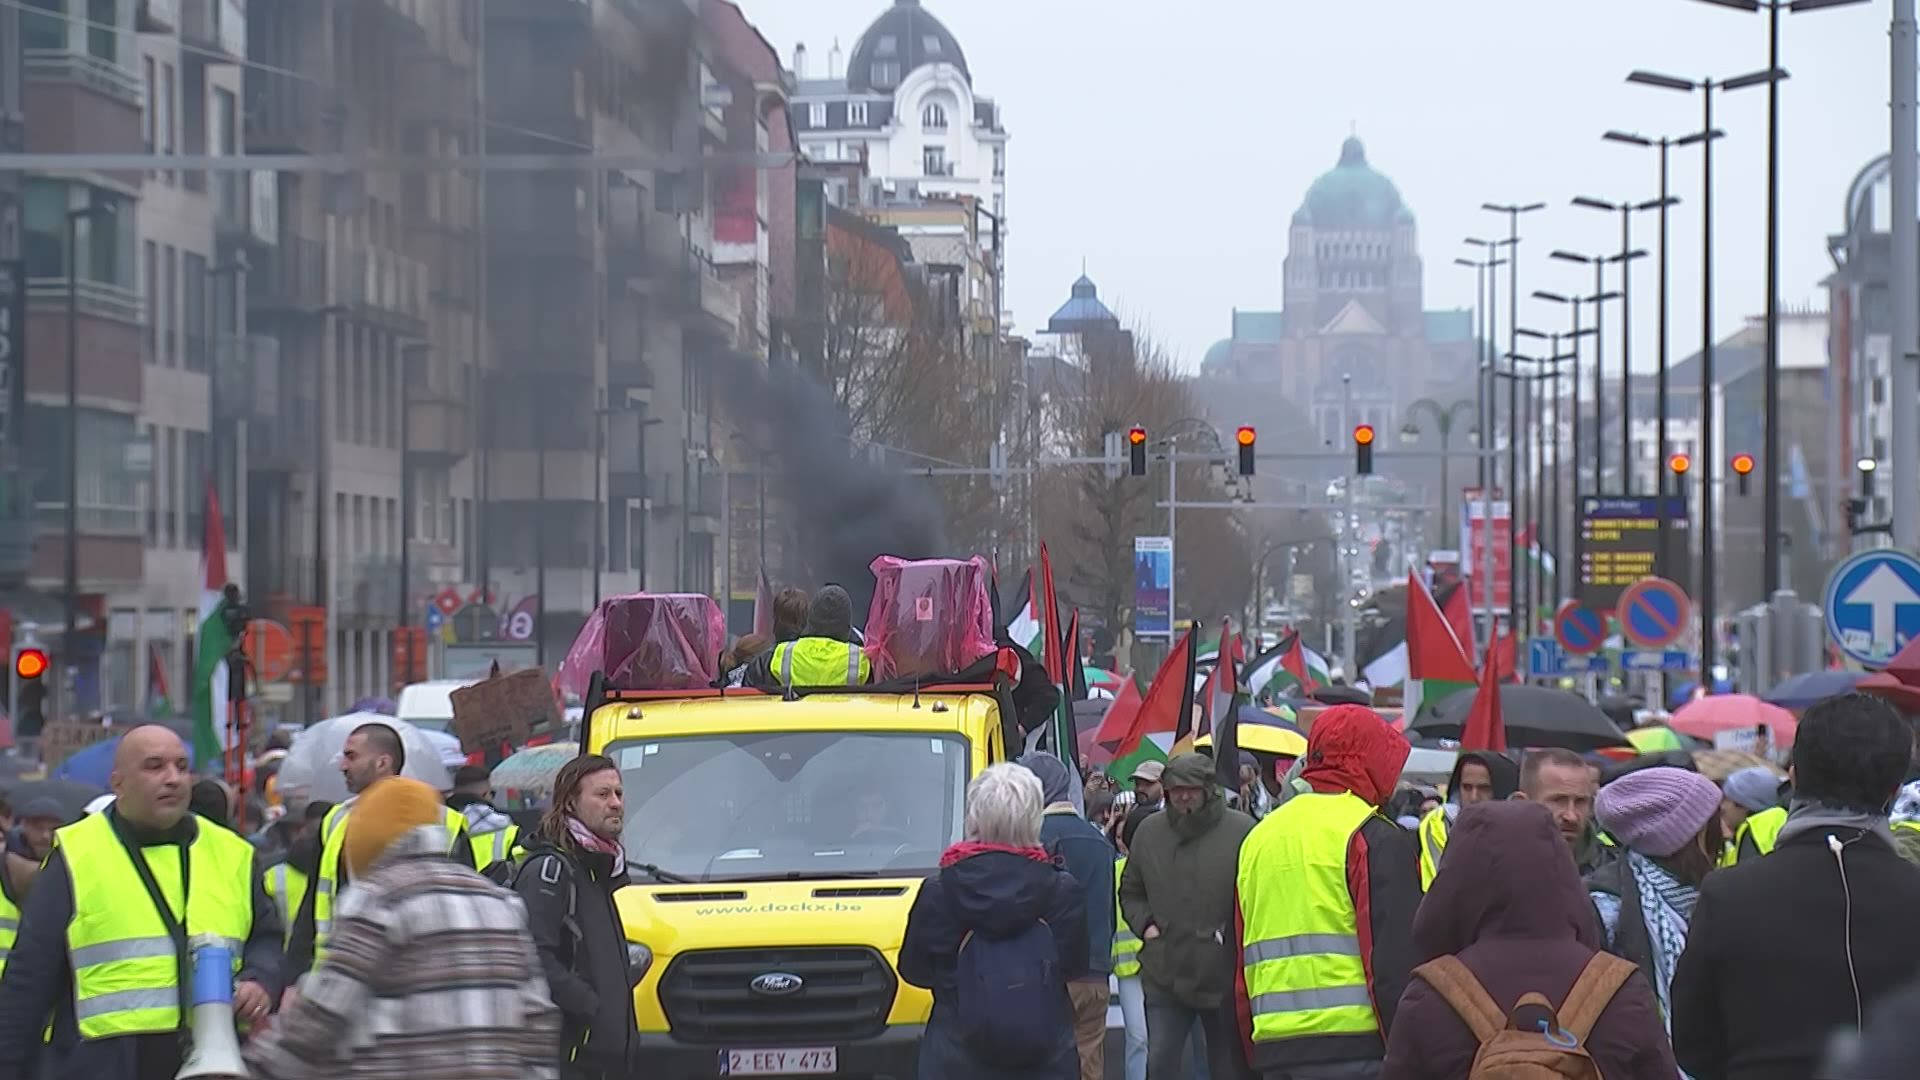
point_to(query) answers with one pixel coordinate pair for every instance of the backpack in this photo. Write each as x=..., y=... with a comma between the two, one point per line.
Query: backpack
x=507, y=873
x=1535, y=1041
x=1010, y=1001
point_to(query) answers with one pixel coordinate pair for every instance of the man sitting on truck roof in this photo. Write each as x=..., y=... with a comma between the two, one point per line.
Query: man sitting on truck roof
x=825, y=654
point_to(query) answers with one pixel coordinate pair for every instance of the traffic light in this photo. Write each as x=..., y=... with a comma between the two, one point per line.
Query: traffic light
x=1246, y=438
x=29, y=704
x=1678, y=464
x=1363, y=450
x=1137, y=451
x=1743, y=468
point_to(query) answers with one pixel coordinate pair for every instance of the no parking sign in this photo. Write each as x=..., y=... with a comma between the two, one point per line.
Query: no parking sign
x=1654, y=613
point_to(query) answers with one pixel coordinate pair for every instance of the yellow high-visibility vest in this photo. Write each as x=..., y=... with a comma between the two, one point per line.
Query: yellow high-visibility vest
x=1126, y=944
x=287, y=884
x=1433, y=843
x=126, y=967
x=1764, y=827
x=1300, y=950
x=326, y=885
x=493, y=847
x=9, y=924
x=814, y=661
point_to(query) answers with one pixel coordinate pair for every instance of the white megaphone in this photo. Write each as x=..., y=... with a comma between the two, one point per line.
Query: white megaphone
x=216, y=1051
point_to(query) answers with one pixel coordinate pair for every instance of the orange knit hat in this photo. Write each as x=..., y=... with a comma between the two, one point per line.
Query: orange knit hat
x=385, y=812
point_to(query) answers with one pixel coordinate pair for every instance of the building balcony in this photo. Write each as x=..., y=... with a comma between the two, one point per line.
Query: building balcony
x=158, y=16
x=288, y=115
x=103, y=77
x=719, y=306
x=439, y=430
x=383, y=287
x=216, y=30
x=290, y=279
x=246, y=208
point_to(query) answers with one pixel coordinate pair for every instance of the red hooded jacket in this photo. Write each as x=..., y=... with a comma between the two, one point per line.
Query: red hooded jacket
x=1352, y=749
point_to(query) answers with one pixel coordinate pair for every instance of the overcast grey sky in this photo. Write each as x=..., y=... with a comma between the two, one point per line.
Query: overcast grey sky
x=1168, y=145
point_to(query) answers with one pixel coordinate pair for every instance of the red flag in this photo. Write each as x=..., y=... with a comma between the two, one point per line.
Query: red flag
x=1168, y=705
x=1117, y=724
x=1503, y=658
x=1486, y=729
x=1433, y=650
x=1050, y=621
x=1294, y=663
x=1459, y=616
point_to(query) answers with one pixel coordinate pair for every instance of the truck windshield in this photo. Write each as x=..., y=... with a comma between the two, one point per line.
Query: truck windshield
x=792, y=804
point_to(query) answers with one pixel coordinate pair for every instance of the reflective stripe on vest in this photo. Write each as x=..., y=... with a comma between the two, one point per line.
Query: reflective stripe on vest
x=287, y=884
x=821, y=662
x=1433, y=843
x=1764, y=827
x=1301, y=947
x=125, y=969
x=326, y=884
x=492, y=847
x=1126, y=944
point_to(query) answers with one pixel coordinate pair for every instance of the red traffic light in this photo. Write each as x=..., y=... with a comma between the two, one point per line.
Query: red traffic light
x=1679, y=463
x=1363, y=435
x=1245, y=436
x=1743, y=463
x=30, y=664
x=1137, y=436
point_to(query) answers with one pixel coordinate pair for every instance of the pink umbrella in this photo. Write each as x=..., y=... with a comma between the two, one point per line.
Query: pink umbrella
x=1708, y=716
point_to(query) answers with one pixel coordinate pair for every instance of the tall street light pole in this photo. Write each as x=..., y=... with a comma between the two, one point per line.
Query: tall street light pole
x=1665, y=202
x=1625, y=259
x=1906, y=283
x=1770, y=456
x=1482, y=396
x=69, y=645
x=1599, y=301
x=1513, y=212
x=1488, y=466
x=1547, y=448
x=1709, y=453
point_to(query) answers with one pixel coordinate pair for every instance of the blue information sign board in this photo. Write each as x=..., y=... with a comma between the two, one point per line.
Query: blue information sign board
x=1547, y=660
x=1656, y=660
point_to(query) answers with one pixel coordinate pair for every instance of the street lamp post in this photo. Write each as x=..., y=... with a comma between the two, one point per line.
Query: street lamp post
x=1444, y=417
x=1483, y=389
x=1599, y=298
x=69, y=645
x=1625, y=259
x=1513, y=212
x=1550, y=481
x=1770, y=456
x=1708, y=453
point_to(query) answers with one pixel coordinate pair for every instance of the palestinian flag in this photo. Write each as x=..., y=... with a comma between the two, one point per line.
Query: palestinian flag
x=1061, y=647
x=1223, y=708
x=1541, y=560
x=1437, y=663
x=1024, y=628
x=212, y=644
x=1165, y=713
x=1288, y=669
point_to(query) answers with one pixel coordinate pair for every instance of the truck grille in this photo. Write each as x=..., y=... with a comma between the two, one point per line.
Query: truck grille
x=843, y=996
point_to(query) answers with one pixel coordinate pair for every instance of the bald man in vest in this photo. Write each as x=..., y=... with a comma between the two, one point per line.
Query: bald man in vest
x=103, y=945
x=373, y=752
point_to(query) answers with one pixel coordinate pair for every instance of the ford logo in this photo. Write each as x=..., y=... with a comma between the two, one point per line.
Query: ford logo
x=777, y=984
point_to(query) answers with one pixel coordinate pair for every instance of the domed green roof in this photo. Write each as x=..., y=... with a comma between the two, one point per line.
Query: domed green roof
x=1353, y=196
x=1219, y=354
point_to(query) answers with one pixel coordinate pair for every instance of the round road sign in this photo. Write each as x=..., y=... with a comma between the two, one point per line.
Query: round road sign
x=1580, y=630
x=1873, y=605
x=269, y=647
x=1654, y=612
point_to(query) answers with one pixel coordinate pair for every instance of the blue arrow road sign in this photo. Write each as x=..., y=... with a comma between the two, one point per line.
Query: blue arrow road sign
x=1873, y=605
x=1547, y=660
x=434, y=619
x=1656, y=660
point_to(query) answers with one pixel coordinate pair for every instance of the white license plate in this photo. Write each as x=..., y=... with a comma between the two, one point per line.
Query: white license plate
x=814, y=1061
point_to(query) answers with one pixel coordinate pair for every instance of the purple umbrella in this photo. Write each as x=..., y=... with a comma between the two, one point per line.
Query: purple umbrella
x=383, y=706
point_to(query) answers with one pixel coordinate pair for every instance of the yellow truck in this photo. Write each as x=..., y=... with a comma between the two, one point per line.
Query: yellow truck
x=776, y=845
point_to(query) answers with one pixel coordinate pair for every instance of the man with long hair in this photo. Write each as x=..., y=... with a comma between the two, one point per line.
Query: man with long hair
x=574, y=864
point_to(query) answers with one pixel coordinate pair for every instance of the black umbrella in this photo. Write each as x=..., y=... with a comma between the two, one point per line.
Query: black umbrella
x=1811, y=688
x=1534, y=716
x=1342, y=695
x=71, y=795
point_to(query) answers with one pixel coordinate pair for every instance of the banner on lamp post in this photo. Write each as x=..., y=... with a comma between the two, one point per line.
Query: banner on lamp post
x=1484, y=519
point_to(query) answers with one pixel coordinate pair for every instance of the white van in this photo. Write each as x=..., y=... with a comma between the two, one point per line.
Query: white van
x=429, y=705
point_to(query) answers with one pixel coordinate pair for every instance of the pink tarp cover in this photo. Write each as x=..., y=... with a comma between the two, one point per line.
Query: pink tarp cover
x=929, y=617
x=648, y=641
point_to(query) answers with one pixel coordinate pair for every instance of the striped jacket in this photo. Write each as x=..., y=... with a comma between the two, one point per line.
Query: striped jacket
x=430, y=975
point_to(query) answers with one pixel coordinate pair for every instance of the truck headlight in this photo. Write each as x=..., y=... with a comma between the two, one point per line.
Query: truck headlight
x=639, y=959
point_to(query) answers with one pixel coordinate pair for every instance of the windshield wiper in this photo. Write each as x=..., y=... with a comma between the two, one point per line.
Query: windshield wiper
x=657, y=874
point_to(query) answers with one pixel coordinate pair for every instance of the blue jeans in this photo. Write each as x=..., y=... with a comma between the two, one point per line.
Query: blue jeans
x=1133, y=1013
